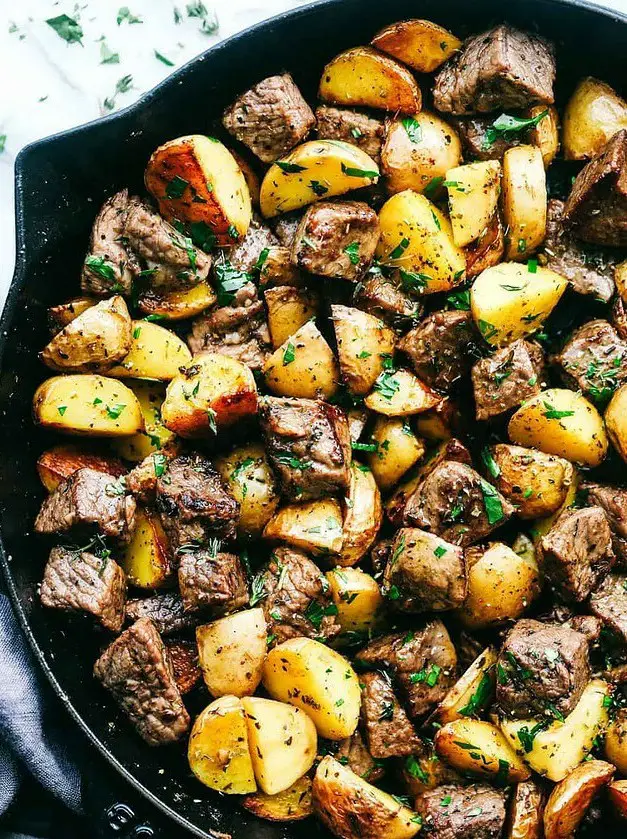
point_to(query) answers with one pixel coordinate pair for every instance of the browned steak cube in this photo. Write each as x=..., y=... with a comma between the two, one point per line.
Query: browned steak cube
x=507, y=378
x=451, y=811
x=385, y=298
x=422, y=661
x=166, y=611
x=308, y=443
x=89, y=500
x=619, y=317
x=589, y=626
x=295, y=598
x=361, y=130
x=141, y=481
x=354, y=753
x=500, y=68
x=270, y=118
x=137, y=670
x=109, y=265
x=455, y=502
x=80, y=581
x=442, y=348
x=389, y=733
x=609, y=603
x=424, y=573
x=594, y=360
x=336, y=239
x=212, y=581
x=246, y=255
x=597, y=205
x=478, y=143
x=613, y=500
x=577, y=553
x=542, y=668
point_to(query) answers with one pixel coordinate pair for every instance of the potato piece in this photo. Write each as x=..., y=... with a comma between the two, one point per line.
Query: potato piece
x=59, y=316
x=194, y=167
x=250, y=176
x=545, y=133
x=350, y=806
x=417, y=153
x=283, y=742
x=525, y=812
x=213, y=392
x=561, y=422
x=617, y=794
x=303, y=366
x=537, y=483
x=616, y=742
x=480, y=749
x=314, y=527
x=146, y=558
x=250, y=480
x=317, y=679
x=501, y=585
x=417, y=239
x=289, y=308
x=616, y=421
x=156, y=353
x=365, y=77
x=488, y=250
x=362, y=517
x=184, y=658
x=364, y=343
x=558, y=749
x=398, y=393
x=58, y=463
x=421, y=44
x=473, y=194
x=357, y=598
x=291, y=805
x=293, y=181
x=218, y=751
x=510, y=301
x=441, y=422
x=524, y=201
x=397, y=450
x=178, y=304
x=594, y=113
x=231, y=651
x=542, y=526
x=570, y=799
x=155, y=436
x=87, y=404
x=471, y=692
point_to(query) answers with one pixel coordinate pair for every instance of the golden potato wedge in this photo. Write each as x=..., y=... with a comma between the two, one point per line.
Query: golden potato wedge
x=594, y=113
x=545, y=133
x=509, y=301
x=542, y=526
x=178, y=304
x=283, y=742
x=440, y=422
x=398, y=393
x=293, y=181
x=218, y=750
x=213, y=392
x=367, y=78
x=184, y=658
x=350, y=806
x=421, y=44
x=357, y=597
x=314, y=527
x=616, y=421
x=615, y=744
x=196, y=179
x=471, y=692
x=479, y=749
x=525, y=812
x=156, y=353
x=59, y=316
x=231, y=651
x=417, y=239
x=154, y=436
x=87, y=404
x=303, y=366
x=250, y=480
x=318, y=680
x=58, y=463
x=570, y=799
x=473, y=194
x=146, y=558
x=524, y=201
x=397, y=450
x=291, y=805
x=561, y=422
x=364, y=344
x=289, y=308
x=362, y=517
x=617, y=794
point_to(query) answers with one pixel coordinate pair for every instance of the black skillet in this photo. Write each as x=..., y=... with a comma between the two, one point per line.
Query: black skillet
x=60, y=184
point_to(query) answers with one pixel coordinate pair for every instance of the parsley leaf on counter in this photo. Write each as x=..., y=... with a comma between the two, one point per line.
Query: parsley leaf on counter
x=67, y=28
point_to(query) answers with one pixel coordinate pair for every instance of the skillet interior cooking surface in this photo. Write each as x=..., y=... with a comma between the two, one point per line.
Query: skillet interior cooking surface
x=61, y=183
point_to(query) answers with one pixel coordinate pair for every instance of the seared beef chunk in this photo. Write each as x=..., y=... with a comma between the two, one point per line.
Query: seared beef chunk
x=276, y=268
x=80, y=581
x=308, y=443
x=506, y=379
x=141, y=481
x=424, y=573
x=185, y=666
x=542, y=668
x=166, y=611
x=619, y=317
x=455, y=502
x=89, y=500
x=389, y=733
x=588, y=270
x=385, y=298
x=285, y=228
x=477, y=141
x=246, y=255
x=270, y=118
x=295, y=598
x=589, y=626
x=212, y=580
x=597, y=205
x=109, y=267
x=336, y=239
x=422, y=661
x=193, y=502
x=379, y=556
x=500, y=68
x=613, y=501
x=594, y=360
x=137, y=670
x=577, y=553
x=609, y=602
x=354, y=754
x=442, y=348
x=353, y=127
x=451, y=811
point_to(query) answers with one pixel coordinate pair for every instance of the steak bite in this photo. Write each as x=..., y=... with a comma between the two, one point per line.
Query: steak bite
x=501, y=68
x=596, y=208
x=336, y=239
x=365, y=132
x=109, y=266
x=354, y=753
x=270, y=118
x=91, y=501
x=137, y=670
x=577, y=553
x=542, y=668
x=166, y=611
x=594, y=360
x=609, y=603
x=246, y=255
x=389, y=733
x=80, y=581
x=613, y=501
x=507, y=378
x=451, y=811
x=476, y=136
x=385, y=298
x=212, y=580
x=308, y=443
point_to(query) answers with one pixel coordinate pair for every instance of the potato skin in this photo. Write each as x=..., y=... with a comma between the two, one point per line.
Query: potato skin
x=291, y=805
x=616, y=421
x=363, y=343
x=492, y=754
x=178, y=304
x=593, y=114
x=525, y=812
x=570, y=799
x=146, y=558
x=362, y=516
x=231, y=652
x=421, y=44
x=536, y=482
x=617, y=794
x=64, y=313
x=616, y=742
x=58, y=463
x=545, y=134
x=250, y=480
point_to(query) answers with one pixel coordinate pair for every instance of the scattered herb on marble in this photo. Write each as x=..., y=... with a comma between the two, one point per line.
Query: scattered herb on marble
x=67, y=28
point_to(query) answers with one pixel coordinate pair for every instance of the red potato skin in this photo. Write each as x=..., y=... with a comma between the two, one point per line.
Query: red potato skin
x=184, y=658
x=57, y=464
x=228, y=410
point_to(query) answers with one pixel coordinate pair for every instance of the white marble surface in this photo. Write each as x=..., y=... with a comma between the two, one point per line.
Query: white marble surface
x=49, y=85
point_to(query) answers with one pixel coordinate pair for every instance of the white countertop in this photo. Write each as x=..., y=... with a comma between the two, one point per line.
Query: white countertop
x=49, y=85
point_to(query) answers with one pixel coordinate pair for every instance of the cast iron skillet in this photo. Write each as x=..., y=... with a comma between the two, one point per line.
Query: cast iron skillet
x=60, y=184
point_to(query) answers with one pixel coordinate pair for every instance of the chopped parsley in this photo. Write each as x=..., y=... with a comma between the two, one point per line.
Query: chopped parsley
x=353, y=172
x=507, y=126
x=228, y=281
x=352, y=251
x=491, y=503
x=415, y=769
x=440, y=551
x=107, y=56
x=294, y=462
x=290, y=168
x=433, y=186
x=488, y=330
x=459, y=300
x=490, y=463
x=241, y=467
x=257, y=589
x=393, y=593
x=532, y=266
x=100, y=266
x=67, y=28
x=176, y=187
x=553, y=413
x=163, y=59
x=62, y=409
x=289, y=354
x=479, y=698
x=413, y=281
x=160, y=462
x=387, y=385
x=413, y=129
x=527, y=735
x=197, y=9
x=315, y=612
x=114, y=411
x=400, y=249
x=125, y=16
x=317, y=188
x=364, y=447
x=429, y=676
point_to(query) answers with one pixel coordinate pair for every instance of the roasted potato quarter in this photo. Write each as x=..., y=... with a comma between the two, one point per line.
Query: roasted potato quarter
x=155, y=353
x=594, y=113
x=472, y=691
x=146, y=558
x=231, y=651
x=303, y=366
x=570, y=799
x=289, y=308
x=178, y=304
x=537, y=483
x=357, y=598
x=291, y=805
x=399, y=393
x=616, y=742
x=59, y=316
x=362, y=517
x=313, y=526
x=617, y=794
x=545, y=133
x=524, y=201
x=542, y=526
x=397, y=449
x=155, y=436
x=473, y=194
x=250, y=176
x=58, y=463
x=364, y=343
x=616, y=421
x=250, y=480
x=479, y=749
x=421, y=44
x=487, y=250
x=525, y=812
